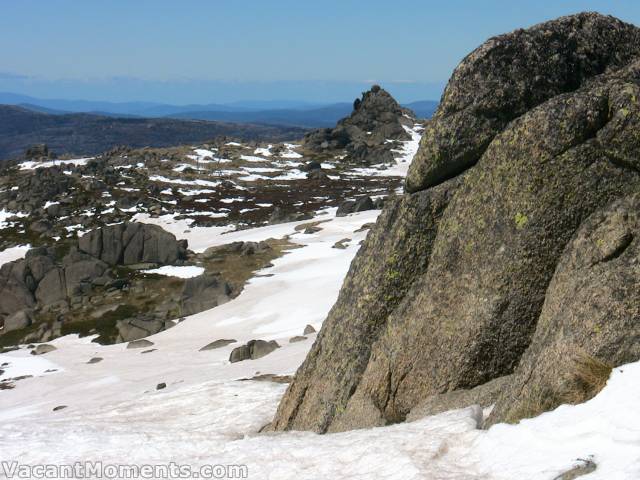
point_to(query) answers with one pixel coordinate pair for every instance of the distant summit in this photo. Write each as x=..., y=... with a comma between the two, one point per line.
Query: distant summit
x=375, y=119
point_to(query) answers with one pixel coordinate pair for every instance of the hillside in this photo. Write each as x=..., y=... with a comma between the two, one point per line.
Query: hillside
x=86, y=134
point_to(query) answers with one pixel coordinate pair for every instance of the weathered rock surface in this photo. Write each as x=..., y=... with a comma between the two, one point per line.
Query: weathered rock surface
x=591, y=317
x=407, y=227
x=507, y=76
x=446, y=292
x=483, y=395
x=142, y=326
x=43, y=282
x=132, y=243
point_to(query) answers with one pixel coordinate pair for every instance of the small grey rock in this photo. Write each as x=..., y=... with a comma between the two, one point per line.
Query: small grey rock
x=142, y=343
x=223, y=342
x=42, y=349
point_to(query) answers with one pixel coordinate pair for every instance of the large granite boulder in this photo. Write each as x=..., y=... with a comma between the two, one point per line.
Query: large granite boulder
x=132, y=243
x=509, y=75
x=456, y=307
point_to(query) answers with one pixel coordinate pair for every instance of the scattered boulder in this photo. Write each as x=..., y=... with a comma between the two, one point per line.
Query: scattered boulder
x=269, y=377
x=584, y=467
x=42, y=349
x=341, y=244
x=352, y=206
x=280, y=215
x=204, y=292
x=253, y=350
x=95, y=360
x=142, y=343
x=59, y=407
x=161, y=386
x=140, y=327
x=297, y=338
x=308, y=330
x=310, y=166
x=318, y=175
x=217, y=344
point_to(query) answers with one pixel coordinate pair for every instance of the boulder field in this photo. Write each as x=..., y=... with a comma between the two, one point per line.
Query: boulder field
x=508, y=272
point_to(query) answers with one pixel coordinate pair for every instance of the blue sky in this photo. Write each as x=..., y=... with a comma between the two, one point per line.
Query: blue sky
x=197, y=51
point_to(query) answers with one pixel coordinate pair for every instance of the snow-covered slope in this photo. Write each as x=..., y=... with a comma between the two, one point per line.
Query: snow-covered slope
x=210, y=413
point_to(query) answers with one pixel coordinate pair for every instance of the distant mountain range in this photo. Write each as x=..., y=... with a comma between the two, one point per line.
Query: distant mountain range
x=89, y=134
x=288, y=113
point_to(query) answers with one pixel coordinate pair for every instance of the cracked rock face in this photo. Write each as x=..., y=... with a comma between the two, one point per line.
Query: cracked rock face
x=447, y=290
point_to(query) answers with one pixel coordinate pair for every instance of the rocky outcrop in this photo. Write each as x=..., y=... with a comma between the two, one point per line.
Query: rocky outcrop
x=509, y=75
x=43, y=282
x=376, y=118
x=446, y=292
x=39, y=283
x=133, y=243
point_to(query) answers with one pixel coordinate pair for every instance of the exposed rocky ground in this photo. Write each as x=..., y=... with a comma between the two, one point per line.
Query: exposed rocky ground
x=513, y=252
x=94, y=269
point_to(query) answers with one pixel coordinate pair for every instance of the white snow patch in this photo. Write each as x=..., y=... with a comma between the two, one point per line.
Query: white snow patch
x=32, y=164
x=5, y=215
x=265, y=152
x=13, y=253
x=188, y=271
x=252, y=158
x=179, y=181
